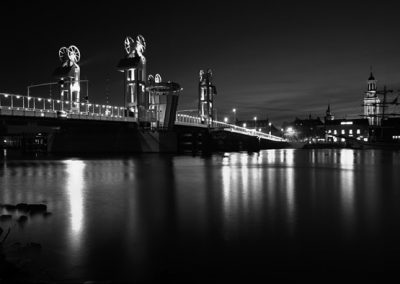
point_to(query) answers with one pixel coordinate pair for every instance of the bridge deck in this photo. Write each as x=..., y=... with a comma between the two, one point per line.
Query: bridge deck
x=24, y=106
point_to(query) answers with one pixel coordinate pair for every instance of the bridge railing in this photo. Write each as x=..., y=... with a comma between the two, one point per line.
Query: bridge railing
x=18, y=105
x=195, y=121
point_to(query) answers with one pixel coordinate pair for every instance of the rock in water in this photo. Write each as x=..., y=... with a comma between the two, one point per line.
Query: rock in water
x=37, y=208
x=5, y=217
x=22, y=219
x=10, y=207
x=22, y=207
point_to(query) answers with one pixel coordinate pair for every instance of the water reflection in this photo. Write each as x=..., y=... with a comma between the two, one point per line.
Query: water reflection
x=160, y=213
x=75, y=185
x=250, y=180
x=347, y=189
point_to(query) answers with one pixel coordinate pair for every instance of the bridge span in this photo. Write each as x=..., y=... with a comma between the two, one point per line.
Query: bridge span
x=148, y=120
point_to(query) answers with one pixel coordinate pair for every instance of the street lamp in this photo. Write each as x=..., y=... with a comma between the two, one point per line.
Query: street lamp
x=269, y=124
x=244, y=125
x=234, y=116
x=255, y=123
x=225, y=119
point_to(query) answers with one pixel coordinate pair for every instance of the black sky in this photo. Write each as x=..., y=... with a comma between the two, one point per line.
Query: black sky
x=269, y=59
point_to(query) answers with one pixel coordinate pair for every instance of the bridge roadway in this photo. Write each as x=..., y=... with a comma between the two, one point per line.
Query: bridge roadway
x=24, y=106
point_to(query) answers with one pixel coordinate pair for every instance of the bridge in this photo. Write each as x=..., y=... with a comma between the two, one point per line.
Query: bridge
x=148, y=121
x=28, y=106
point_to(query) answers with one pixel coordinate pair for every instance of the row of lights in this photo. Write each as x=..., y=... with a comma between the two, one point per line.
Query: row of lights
x=59, y=101
x=226, y=120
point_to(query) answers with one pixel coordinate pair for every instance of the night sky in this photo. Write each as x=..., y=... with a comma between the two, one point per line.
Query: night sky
x=270, y=59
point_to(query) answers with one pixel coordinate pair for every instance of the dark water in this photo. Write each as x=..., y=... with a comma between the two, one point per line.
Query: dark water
x=277, y=214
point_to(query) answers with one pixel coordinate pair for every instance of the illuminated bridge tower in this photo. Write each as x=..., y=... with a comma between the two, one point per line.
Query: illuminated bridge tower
x=372, y=108
x=133, y=66
x=207, y=92
x=68, y=75
x=163, y=102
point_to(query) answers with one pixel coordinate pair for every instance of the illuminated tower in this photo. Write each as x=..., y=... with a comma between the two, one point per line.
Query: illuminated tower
x=134, y=68
x=371, y=103
x=207, y=91
x=163, y=102
x=68, y=75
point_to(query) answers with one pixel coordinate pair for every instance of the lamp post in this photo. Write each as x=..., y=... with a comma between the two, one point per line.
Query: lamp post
x=244, y=125
x=269, y=124
x=234, y=116
x=225, y=119
x=255, y=123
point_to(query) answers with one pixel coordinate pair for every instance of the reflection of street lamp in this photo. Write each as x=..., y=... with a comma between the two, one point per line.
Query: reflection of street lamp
x=234, y=116
x=269, y=124
x=255, y=123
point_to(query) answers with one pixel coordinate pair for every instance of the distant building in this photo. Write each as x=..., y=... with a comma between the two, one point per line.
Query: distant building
x=310, y=129
x=337, y=129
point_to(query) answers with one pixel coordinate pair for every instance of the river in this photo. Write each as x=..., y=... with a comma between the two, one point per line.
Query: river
x=286, y=213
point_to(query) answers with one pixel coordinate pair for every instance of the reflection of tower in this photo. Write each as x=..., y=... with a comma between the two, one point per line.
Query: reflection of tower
x=329, y=115
x=68, y=75
x=207, y=91
x=134, y=68
x=371, y=102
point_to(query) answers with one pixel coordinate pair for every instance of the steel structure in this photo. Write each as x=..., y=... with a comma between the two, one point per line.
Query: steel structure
x=207, y=92
x=68, y=75
x=133, y=65
x=163, y=101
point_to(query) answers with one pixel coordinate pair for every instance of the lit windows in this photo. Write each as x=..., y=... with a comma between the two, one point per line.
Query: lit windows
x=335, y=132
x=343, y=131
x=351, y=131
x=358, y=131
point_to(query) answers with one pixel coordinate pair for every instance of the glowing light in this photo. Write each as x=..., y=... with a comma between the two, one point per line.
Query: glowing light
x=346, y=123
x=244, y=124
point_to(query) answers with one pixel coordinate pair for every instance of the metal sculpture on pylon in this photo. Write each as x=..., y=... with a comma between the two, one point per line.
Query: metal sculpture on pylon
x=134, y=67
x=68, y=75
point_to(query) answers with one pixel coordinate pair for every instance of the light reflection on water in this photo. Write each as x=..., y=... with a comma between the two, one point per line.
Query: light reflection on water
x=75, y=185
x=155, y=213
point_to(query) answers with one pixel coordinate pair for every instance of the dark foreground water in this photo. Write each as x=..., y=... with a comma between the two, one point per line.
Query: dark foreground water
x=278, y=214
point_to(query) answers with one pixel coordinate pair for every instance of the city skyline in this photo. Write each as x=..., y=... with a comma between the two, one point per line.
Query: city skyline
x=281, y=62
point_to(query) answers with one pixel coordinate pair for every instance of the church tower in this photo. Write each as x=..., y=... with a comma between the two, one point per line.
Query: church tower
x=328, y=114
x=372, y=109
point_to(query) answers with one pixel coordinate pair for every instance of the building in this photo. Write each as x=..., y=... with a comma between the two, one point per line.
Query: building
x=336, y=130
x=310, y=129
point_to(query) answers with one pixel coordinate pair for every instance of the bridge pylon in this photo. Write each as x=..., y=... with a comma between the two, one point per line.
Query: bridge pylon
x=207, y=92
x=68, y=75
